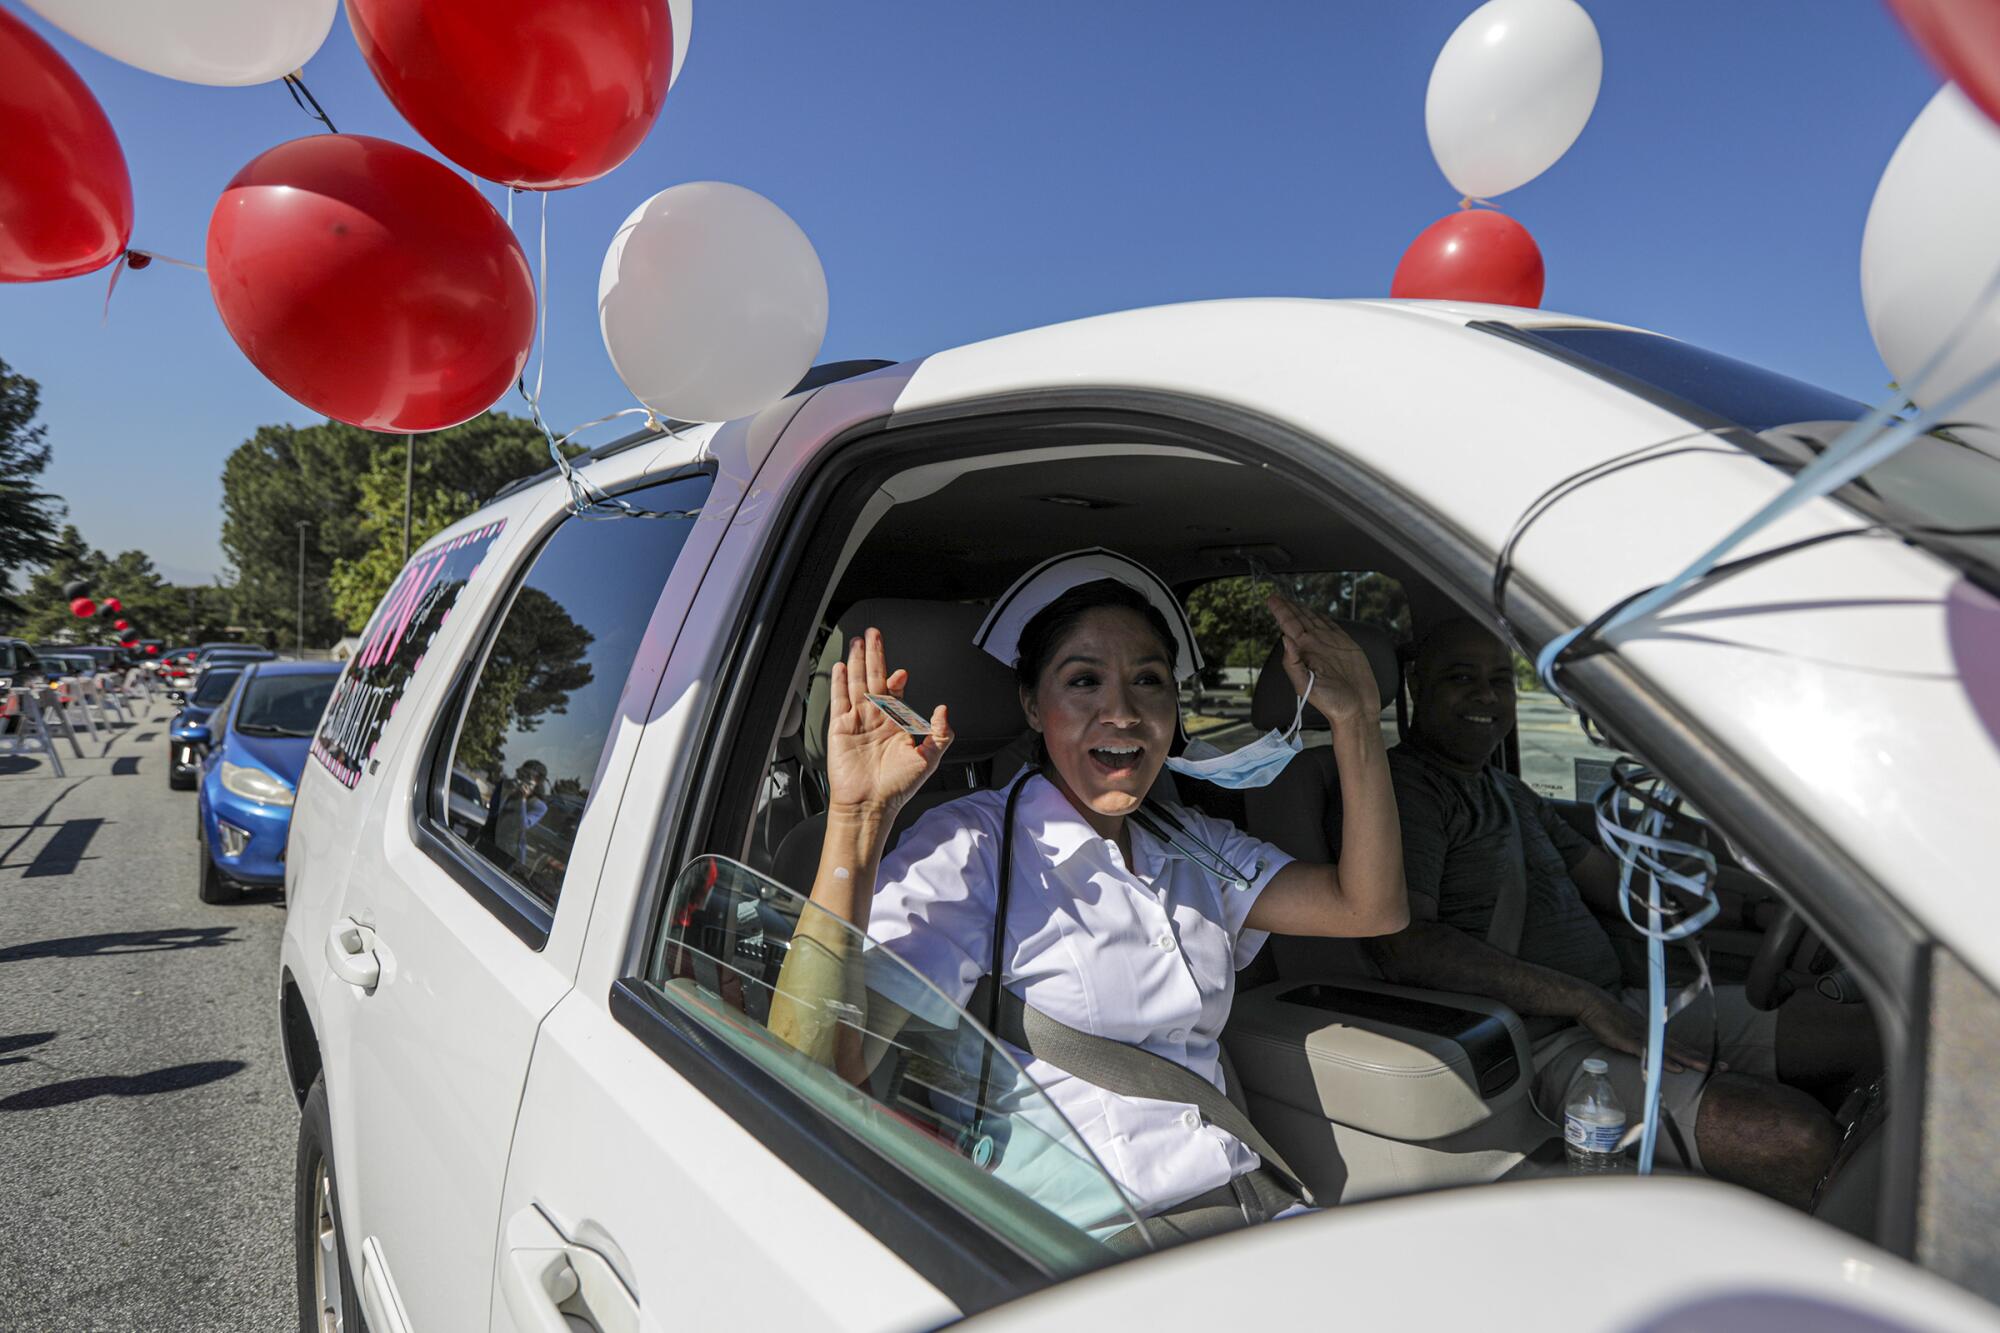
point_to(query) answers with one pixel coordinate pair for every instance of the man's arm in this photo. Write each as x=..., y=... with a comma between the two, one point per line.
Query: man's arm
x=1440, y=957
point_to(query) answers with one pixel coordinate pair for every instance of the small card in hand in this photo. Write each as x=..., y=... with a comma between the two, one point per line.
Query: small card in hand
x=901, y=714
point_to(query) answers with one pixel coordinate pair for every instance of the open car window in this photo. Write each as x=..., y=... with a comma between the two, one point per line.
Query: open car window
x=791, y=987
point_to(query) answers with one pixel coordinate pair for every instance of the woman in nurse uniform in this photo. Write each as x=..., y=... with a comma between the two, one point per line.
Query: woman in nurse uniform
x=1124, y=918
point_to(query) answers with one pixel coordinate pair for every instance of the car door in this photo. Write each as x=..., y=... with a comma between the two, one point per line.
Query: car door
x=451, y=945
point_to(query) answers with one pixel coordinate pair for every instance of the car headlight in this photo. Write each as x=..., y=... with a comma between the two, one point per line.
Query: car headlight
x=255, y=784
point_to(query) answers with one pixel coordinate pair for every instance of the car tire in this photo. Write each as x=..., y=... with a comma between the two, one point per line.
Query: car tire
x=214, y=887
x=327, y=1295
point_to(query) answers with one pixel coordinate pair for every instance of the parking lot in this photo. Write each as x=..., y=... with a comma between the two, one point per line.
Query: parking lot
x=143, y=1099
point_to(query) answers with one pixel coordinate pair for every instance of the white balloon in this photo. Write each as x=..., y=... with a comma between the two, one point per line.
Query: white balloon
x=1930, y=249
x=228, y=43
x=681, y=14
x=712, y=302
x=1510, y=92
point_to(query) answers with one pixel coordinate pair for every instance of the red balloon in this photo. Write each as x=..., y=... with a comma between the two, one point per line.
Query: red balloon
x=152, y=650
x=113, y=604
x=1962, y=38
x=121, y=624
x=84, y=607
x=371, y=283
x=1474, y=254
x=543, y=94
x=65, y=196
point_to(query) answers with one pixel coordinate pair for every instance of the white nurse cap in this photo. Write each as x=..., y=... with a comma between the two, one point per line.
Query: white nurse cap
x=1000, y=635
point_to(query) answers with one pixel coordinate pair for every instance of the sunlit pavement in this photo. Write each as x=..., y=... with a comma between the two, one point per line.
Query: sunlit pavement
x=146, y=1129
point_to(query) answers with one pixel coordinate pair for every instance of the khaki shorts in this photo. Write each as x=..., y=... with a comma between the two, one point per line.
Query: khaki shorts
x=1745, y=1038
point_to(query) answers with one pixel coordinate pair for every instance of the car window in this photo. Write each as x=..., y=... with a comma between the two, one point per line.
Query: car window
x=536, y=719
x=783, y=983
x=283, y=704
x=1236, y=635
x=214, y=687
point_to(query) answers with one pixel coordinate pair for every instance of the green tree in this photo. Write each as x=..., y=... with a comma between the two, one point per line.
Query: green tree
x=28, y=515
x=154, y=607
x=280, y=477
x=456, y=471
x=536, y=662
x=1234, y=629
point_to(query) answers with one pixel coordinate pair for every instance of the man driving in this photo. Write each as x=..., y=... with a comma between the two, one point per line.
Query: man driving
x=1471, y=834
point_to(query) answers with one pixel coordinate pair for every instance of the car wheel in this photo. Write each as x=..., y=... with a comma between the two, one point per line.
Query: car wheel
x=214, y=887
x=327, y=1299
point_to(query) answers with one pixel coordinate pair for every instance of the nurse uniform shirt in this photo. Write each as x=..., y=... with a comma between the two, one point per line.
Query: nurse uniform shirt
x=1144, y=954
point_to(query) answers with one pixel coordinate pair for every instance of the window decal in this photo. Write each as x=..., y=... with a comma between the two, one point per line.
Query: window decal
x=392, y=648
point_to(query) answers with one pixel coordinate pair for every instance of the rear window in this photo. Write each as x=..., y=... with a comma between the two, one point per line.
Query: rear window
x=1940, y=491
x=283, y=705
x=214, y=687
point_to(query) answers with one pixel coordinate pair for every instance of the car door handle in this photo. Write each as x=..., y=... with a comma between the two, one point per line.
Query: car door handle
x=350, y=952
x=553, y=1286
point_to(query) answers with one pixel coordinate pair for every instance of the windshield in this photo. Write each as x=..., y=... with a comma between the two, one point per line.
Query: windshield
x=284, y=705
x=1940, y=491
x=214, y=688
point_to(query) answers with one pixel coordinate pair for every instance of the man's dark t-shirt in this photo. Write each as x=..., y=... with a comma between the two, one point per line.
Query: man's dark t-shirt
x=1456, y=846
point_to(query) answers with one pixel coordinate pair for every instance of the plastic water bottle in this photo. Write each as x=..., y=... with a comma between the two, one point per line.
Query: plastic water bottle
x=1593, y=1121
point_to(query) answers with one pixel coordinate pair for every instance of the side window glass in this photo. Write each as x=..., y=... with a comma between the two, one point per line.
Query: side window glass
x=882, y=1054
x=523, y=763
x=392, y=648
x=1558, y=759
x=1236, y=635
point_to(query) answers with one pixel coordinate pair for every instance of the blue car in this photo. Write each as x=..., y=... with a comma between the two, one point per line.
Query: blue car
x=188, y=733
x=257, y=745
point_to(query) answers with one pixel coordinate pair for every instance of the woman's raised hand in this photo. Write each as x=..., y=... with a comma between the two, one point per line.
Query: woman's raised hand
x=1343, y=683
x=871, y=763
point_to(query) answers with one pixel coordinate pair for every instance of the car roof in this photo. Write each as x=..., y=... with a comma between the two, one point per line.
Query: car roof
x=267, y=668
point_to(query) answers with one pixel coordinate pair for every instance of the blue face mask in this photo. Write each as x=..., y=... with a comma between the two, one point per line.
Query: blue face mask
x=1254, y=765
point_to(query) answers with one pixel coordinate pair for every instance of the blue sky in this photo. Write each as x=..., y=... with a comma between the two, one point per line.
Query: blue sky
x=970, y=170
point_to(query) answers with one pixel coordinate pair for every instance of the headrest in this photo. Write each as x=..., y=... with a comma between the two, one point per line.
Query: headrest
x=933, y=642
x=1272, y=703
x=1000, y=635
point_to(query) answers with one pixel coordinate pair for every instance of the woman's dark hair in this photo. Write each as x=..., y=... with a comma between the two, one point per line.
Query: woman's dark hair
x=1046, y=630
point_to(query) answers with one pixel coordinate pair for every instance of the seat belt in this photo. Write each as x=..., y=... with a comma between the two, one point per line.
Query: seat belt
x=1130, y=1071
x=1510, y=905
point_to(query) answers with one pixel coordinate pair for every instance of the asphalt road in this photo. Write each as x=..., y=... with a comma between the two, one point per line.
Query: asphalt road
x=146, y=1128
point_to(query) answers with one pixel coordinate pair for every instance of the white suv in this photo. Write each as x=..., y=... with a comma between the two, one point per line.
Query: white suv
x=538, y=870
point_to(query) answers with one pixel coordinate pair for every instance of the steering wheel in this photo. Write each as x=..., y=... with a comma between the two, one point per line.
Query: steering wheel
x=1771, y=979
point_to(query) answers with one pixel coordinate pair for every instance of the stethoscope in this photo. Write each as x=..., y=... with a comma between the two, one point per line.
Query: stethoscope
x=1168, y=827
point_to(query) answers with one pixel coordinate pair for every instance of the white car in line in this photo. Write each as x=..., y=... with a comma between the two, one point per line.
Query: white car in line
x=536, y=1083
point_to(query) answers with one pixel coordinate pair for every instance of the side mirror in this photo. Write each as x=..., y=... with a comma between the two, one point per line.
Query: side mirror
x=200, y=735
x=176, y=696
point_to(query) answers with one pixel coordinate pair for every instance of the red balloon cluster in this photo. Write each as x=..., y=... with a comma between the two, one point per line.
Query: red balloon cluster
x=1475, y=254
x=65, y=195
x=83, y=607
x=1962, y=38
x=371, y=283
x=538, y=94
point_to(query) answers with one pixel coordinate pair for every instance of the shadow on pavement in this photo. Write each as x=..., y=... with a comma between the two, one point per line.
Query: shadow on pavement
x=64, y=851
x=126, y=766
x=174, y=1078
x=121, y=942
x=21, y=1042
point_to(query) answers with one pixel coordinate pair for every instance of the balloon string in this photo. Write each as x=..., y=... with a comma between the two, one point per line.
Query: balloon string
x=585, y=500
x=136, y=260
x=295, y=84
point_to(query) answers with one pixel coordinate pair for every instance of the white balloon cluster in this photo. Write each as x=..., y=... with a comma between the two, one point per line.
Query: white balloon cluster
x=229, y=43
x=1930, y=258
x=712, y=302
x=1510, y=92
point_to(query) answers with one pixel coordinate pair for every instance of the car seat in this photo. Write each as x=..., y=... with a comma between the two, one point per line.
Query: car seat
x=1299, y=812
x=933, y=642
